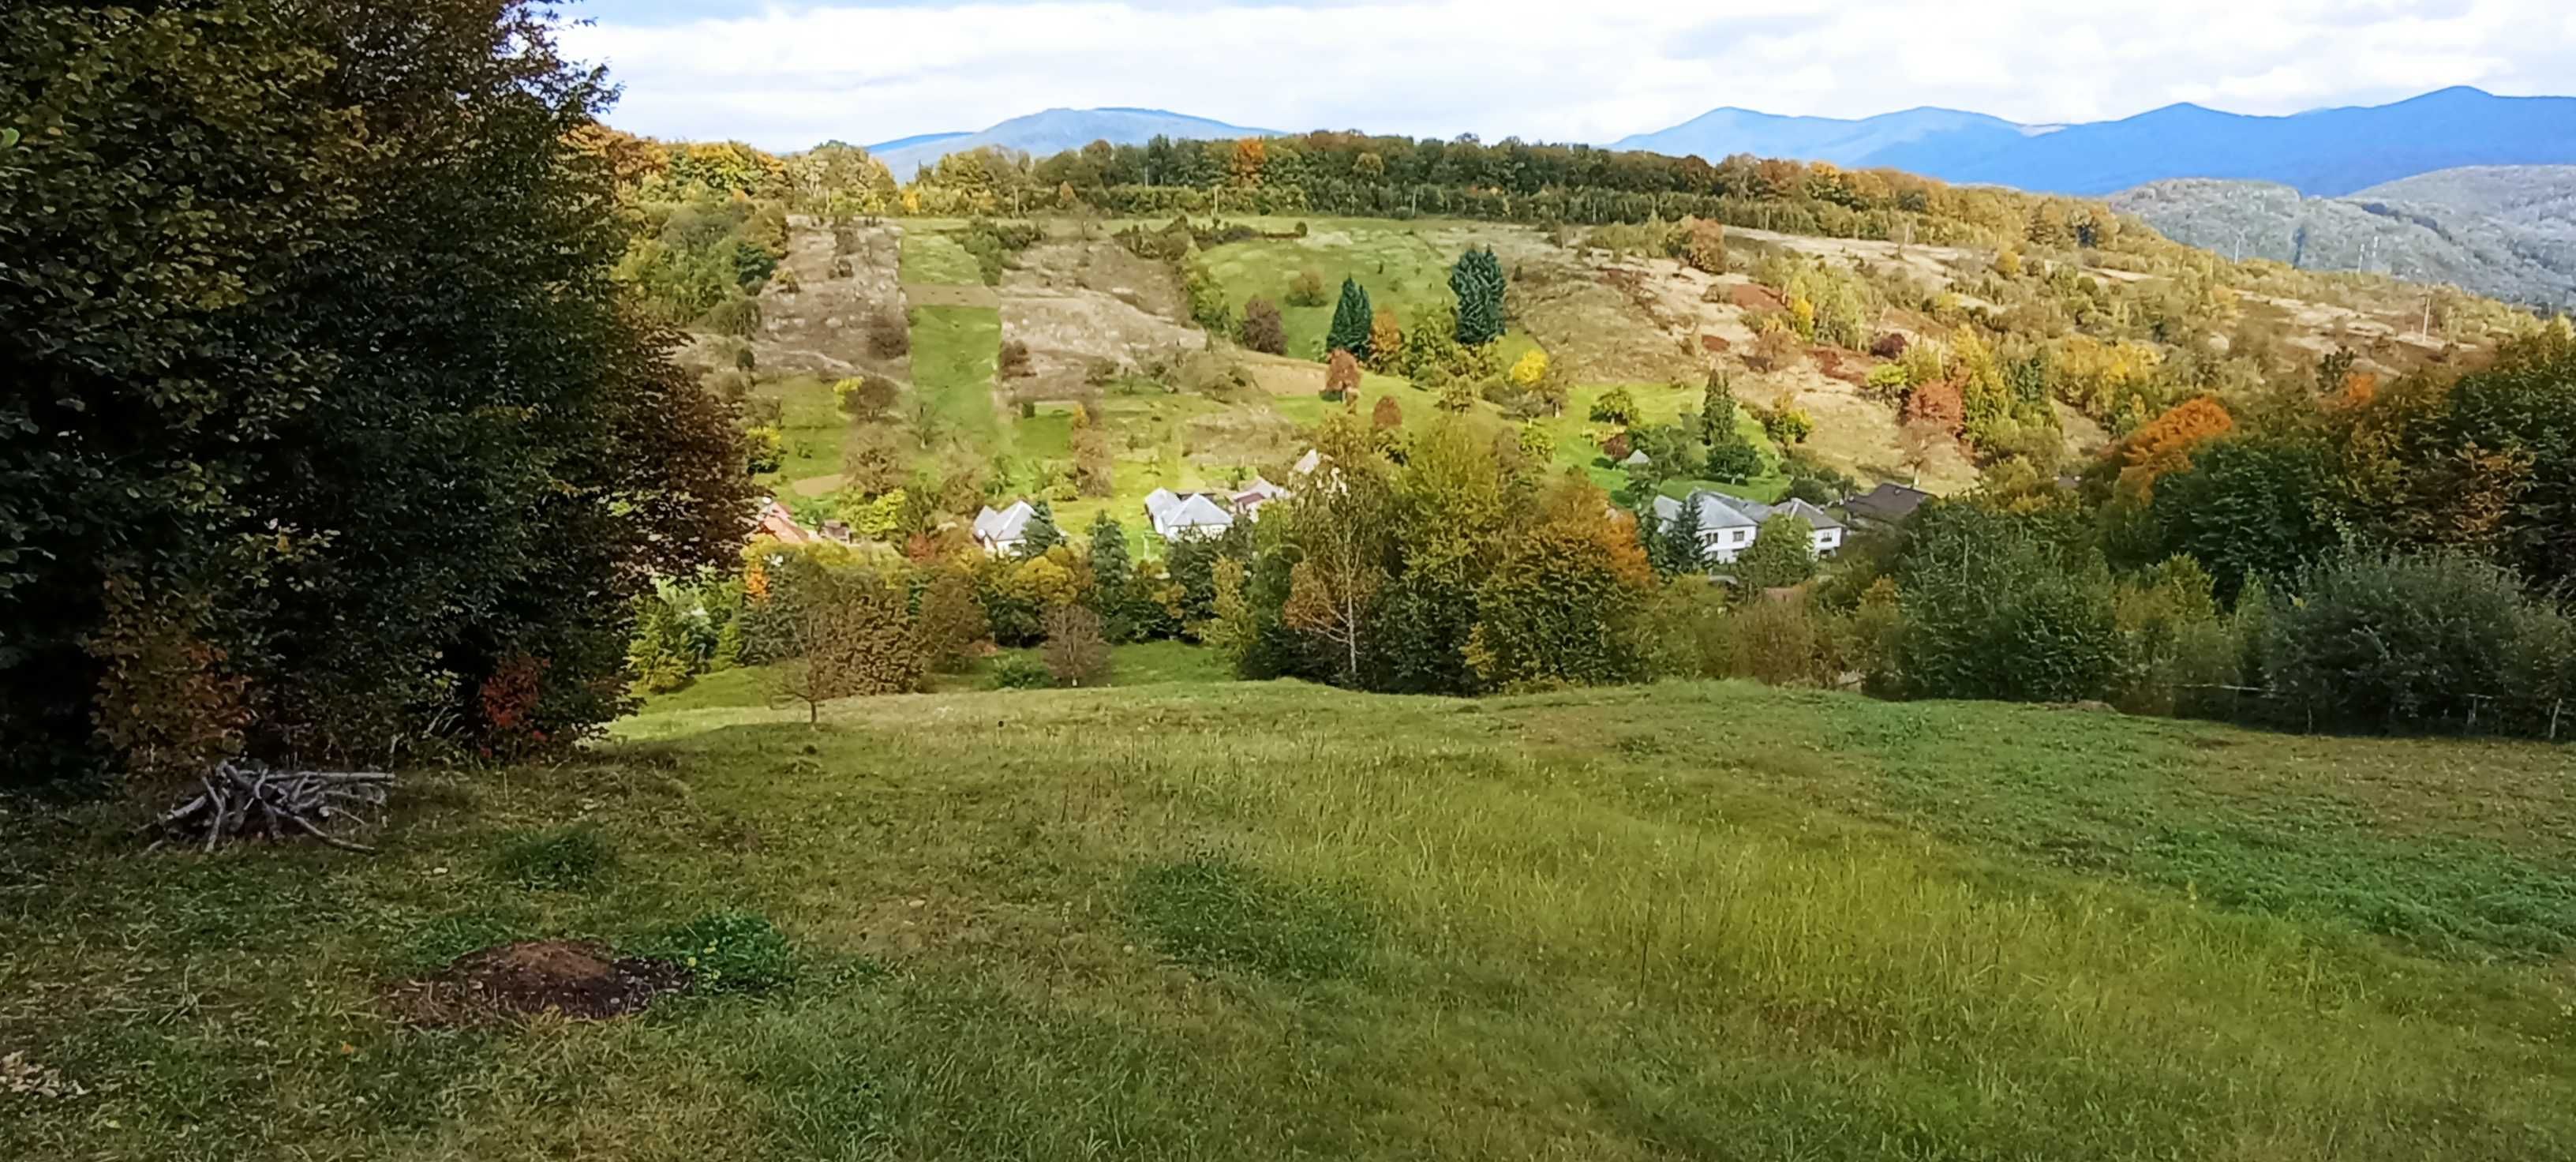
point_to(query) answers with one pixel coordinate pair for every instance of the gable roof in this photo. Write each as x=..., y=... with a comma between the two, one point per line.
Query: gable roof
x=1718, y=511
x=1194, y=511
x=1159, y=500
x=1887, y=502
x=1009, y=524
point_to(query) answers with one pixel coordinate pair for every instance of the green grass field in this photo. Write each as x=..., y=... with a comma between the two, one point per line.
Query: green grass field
x=1400, y=268
x=955, y=351
x=1212, y=920
x=930, y=257
x=812, y=430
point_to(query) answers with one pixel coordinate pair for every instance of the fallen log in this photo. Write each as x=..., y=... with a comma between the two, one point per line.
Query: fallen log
x=240, y=800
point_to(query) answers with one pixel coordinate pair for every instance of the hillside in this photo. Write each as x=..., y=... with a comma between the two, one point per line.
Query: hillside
x=1677, y=921
x=2505, y=232
x=1052, y=131
x=2323, y=152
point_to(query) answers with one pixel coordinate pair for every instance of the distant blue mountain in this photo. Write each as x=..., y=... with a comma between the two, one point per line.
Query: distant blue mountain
x=1056, y=130
x=2322, y=153
x=915, y=139
x=1866, y=142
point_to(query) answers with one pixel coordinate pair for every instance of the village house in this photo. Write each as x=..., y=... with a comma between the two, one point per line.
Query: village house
x=1885, y=506
x=1001, y=532
x=778, y=524
x=1193, y=515
x=1247, y=503
x=1728, y=525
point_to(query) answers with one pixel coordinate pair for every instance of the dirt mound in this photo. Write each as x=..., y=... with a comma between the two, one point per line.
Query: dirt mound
x=1754, y=297
x=578, y=979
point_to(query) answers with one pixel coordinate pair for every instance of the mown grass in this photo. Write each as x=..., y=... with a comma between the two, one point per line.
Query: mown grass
x=955, y=353
x=931, y=257
x=1268, y=920
x=812, y=429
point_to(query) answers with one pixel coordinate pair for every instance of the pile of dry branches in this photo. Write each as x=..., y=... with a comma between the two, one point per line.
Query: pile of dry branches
x=239, y=800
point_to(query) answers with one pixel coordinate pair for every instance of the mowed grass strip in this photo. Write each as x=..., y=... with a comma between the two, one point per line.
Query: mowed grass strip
x=1270, y=920
x=936, y=258
x=955, y=354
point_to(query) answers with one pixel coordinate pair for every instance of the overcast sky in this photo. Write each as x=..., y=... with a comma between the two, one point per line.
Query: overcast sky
x=788, y=75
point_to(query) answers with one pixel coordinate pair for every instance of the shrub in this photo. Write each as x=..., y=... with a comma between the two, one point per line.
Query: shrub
x=2405, y=641
x=1307, y=289
x=1342, y=375
x=1616, y=406
x=724, y=952
x=1021, y=672
x=889, y=336
x=1779, y=641
x=1015, y=361
x=1076, y=651
x=1999, y=606
x=1263, y=330
x=735, y=315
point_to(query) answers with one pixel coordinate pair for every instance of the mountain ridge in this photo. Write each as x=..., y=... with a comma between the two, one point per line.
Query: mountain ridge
x=1054, y=130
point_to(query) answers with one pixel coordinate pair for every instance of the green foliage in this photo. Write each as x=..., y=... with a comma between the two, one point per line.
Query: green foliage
x=1216, y=912
x=1113, y=579
x=2001, y=606
x=1307, y=289
x=725, y=952
x=562, y=859
x=1615, y=406
x=1783, y=553
x=1206, y=296
x=1477, y=280
x=1022, y=672
x=277, y=358
x=2246, y=507
x=1352, y=318
x=2411, y=641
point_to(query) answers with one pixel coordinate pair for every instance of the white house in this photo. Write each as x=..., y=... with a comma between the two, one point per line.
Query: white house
x=1176, y=516
x=1727, y=525
x=1001, y=532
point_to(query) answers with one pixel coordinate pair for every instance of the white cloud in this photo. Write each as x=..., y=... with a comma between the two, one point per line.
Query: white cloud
x=790, y=77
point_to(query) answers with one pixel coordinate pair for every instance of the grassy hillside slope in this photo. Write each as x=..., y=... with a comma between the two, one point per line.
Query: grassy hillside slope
x=1240, y=921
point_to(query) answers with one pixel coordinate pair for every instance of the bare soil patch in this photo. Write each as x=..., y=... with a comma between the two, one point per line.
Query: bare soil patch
x=821, y=328
x=578, y=979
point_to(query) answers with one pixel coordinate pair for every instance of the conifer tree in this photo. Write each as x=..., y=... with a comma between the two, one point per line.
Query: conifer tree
x=1477, y=280
x=1111, y=572
x=1041, y=533
x=1717, y=411
x=1352, y=320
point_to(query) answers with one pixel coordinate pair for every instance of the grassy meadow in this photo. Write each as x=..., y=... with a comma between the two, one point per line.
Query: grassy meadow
x=1192, y=919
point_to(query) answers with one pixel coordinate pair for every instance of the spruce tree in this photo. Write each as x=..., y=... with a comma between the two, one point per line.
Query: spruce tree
x=1352, y=318
x=1681, y=544
x=1111, y=572
x=1717, y=411
x=1477, y=280
x=1041, y=533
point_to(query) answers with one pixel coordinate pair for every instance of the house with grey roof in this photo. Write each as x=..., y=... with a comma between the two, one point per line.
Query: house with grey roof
x=1728, y=525
x=1001, y=532
x=1193, y=515
x=1886, y=505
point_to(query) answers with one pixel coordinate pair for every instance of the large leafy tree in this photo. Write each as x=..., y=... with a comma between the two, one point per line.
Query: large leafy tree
x=323, y=427
x=1477, y=280
x=1783, y=554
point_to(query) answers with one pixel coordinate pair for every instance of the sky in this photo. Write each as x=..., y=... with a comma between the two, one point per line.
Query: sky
x=785, y=76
